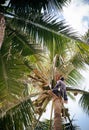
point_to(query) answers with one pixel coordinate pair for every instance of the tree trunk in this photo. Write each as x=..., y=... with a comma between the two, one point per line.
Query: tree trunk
x=2, y=28
x=57, y=102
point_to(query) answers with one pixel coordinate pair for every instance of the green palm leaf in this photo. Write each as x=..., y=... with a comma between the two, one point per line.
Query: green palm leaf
x=20, y=42
x=29, y=5
x=13, y=67
x=48, y=24
x=11, y=86
x=84, y=102
x=19, y=117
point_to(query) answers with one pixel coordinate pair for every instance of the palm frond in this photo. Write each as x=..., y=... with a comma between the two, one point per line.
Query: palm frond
x=13, y=67
x=11, y=86
x=46, y=29
x=31, y=6
x=19, y=117
x=59, y=26
x=84, y=102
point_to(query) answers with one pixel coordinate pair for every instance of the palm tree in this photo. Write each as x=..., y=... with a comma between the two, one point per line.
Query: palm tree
x=42, y=30
x=44, y=98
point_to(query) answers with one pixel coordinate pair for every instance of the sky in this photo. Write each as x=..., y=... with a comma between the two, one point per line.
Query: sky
x=77, y=15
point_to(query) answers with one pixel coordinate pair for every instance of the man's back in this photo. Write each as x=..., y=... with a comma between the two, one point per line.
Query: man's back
x=60, y=89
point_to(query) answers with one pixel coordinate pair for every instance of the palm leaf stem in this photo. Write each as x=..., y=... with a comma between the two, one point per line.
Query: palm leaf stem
x=77, y=90
x=38, y=25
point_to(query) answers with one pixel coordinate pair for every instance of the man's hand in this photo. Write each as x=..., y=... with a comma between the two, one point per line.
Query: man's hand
x=66, y=101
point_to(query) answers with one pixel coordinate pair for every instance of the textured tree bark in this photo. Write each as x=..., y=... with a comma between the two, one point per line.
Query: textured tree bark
x=57, y=102
x=2, y=28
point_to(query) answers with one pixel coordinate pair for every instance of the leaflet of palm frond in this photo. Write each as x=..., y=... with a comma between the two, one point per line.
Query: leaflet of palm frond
x=2, y=29
x=84, y=102
x=18, y=117
x=74, y=78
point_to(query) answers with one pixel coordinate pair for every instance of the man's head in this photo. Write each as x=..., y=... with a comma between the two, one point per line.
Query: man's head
x=62, y=78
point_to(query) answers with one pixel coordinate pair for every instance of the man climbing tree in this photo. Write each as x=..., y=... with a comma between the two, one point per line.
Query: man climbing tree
x=59, y=96
x=60, y=88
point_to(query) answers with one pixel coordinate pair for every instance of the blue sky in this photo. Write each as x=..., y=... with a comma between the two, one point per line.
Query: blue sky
x=81, y=119
x=77, y=15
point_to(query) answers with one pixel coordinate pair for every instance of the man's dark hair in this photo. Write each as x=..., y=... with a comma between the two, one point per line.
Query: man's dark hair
x=62, y=78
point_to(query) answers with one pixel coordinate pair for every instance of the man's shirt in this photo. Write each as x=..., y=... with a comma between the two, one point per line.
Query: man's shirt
x=60, y=89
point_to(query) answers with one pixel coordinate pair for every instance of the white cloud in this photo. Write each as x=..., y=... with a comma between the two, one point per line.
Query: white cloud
x=74, y=14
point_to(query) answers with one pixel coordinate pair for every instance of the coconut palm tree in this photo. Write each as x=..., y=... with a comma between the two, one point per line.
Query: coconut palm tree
x=44, y=98
x=14, y=55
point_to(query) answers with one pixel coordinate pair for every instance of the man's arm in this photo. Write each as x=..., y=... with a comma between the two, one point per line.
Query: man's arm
x=58, y=84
